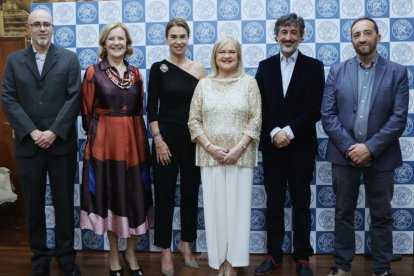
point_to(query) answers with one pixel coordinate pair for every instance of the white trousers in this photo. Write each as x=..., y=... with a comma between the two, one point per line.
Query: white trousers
x=227, y=194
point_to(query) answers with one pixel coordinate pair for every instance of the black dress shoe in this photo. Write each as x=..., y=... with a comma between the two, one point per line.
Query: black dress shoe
x=71, y=269
x=41, y=270
x=303, y=268
x=267, y=266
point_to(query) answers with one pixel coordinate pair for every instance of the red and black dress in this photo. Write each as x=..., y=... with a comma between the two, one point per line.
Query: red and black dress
x=116, y=191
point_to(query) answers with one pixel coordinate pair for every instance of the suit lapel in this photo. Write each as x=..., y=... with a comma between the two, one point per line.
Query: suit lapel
x=352, y=71
x=274, y=77
x=297, y=72
x=30, y=61
x=379, y=75
x=51, y=59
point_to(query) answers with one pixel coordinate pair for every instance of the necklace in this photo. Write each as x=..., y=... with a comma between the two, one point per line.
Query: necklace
x=123, y=83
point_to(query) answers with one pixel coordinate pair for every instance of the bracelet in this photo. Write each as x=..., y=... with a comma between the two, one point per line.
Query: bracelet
x=206, y=147
x=243, y=145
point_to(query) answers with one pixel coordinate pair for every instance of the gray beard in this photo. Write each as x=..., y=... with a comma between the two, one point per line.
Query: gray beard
x=43, y=42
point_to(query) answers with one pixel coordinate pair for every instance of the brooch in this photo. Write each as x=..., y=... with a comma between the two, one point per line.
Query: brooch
x=164, y=68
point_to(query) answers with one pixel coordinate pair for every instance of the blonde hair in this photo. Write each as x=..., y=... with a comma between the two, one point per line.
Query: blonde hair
x=104, y=35
x=218, y=46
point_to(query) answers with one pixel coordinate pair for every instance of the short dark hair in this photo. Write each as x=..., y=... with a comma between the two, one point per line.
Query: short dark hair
x=365, y=18
x=290, y=19
x=179, y=22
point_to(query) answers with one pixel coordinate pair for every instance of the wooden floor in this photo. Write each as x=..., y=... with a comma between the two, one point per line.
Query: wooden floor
x=15, y=260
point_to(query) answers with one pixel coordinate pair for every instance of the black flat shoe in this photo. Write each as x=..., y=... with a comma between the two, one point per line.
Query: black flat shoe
x=134, y=272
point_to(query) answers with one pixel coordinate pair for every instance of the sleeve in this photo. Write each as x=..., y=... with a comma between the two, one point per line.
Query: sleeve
x=254, y=124
x=195, y=120
x=154, y=87
x=140, y=85
x=394, y=127
x=20, y=121
x=88, y=97
x=330, y=120
x=70, y=110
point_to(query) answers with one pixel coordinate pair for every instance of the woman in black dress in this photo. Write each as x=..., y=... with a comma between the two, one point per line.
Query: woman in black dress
x=170, y=89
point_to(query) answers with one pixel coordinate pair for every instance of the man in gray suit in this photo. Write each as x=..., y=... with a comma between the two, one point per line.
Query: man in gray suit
x=41, y=99
x=364, y=112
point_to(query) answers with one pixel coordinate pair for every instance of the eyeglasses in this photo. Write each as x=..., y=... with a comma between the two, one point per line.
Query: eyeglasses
x=38, y=25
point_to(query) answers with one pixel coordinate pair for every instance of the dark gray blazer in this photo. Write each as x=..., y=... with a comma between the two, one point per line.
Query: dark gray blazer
x=387, y=118
x=49, y=101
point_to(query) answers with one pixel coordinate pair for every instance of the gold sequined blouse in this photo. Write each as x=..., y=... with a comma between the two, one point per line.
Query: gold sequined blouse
x=224, y=110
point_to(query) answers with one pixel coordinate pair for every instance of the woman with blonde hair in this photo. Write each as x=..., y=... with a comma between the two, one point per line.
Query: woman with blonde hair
x=225, y=121
x=116, y=192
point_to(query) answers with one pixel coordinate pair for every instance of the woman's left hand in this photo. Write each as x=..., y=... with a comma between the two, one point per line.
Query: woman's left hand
x=233, y=155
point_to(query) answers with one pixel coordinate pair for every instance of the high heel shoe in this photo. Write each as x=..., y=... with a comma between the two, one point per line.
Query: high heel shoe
x=220, y=272
x=228, y=273
x=166, y=271
x=134, y=272
x=115, y=272
x=190, y=263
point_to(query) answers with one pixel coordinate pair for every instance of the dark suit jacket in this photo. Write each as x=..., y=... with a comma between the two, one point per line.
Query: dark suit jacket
x=49, y=101
x=387, y=117
x=300, y=108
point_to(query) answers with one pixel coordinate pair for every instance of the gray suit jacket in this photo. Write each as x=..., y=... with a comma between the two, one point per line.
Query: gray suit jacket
x=49, y=101
x=387, y=117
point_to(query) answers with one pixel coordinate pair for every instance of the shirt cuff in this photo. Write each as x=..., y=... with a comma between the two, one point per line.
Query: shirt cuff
x=289, y=132
x=273, y=133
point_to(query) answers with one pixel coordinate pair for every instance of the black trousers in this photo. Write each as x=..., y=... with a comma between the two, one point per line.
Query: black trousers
x=32, y=173
x=165, y=179
x=282, y=172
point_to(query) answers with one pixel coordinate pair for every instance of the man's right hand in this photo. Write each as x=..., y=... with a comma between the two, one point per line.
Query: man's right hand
x=281, y=139
x=35, y=134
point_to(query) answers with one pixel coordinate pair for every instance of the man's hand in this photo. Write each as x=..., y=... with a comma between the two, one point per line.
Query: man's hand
x=359, y=154
x=45, y=139
x=281, y=139
x=35, y=134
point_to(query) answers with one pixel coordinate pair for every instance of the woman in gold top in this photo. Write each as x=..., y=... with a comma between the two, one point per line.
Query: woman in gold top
x=225, y=121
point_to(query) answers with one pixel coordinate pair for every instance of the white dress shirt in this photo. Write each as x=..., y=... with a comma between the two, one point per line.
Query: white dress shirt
x=286, y=67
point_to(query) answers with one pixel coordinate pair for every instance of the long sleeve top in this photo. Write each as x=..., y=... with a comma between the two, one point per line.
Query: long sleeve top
x=224, y=110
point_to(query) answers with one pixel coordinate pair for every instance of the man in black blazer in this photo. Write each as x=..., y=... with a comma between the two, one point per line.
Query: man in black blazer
x=41, y=99
x=291, y=85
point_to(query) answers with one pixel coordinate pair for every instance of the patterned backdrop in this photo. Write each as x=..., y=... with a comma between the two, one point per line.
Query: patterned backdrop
x=327, y=37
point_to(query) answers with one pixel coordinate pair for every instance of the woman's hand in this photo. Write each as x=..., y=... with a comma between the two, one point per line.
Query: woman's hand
x=162, y=151
x=217, y=152
x=233, y=155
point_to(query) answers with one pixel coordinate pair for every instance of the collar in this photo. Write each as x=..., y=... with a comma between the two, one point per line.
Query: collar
x=104, y=64
x=373, y=63
x=36, y=53
x=293, y=57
